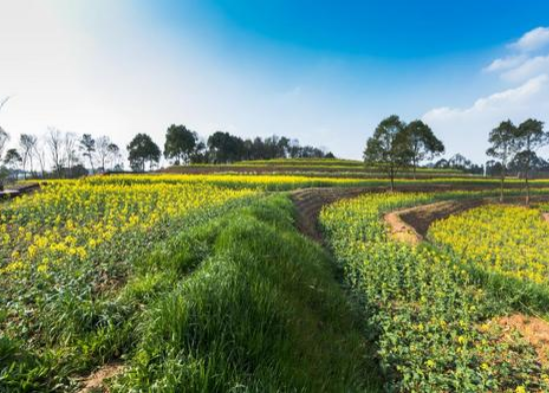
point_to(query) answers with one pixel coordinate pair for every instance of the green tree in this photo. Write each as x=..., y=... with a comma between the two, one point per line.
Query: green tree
x=87, y=146
x=424, y=145
x=530, y=136
x=389, y=148
x=180, y=144
x=225, y=148
x=502, y=141
x=12, y=160
x=141, y=150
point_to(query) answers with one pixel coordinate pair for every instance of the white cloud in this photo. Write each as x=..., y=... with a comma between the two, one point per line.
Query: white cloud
x=528, y=69
x=533, y=40
x=531, y=99
x=506, y=63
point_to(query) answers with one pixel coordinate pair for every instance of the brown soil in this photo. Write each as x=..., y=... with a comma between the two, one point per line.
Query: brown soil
x=534, y=330
x=95, y=382
x=411, y=225
x=421, y=217
x=310, y=201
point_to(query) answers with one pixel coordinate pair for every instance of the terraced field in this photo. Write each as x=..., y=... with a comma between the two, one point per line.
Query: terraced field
x=260, y=283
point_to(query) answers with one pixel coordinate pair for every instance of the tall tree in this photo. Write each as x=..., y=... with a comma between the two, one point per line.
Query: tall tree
x=87, y=146
x=530, y=137
x=70, y=157
x=54, y=142
x=27, y=144
x=141, y=150
x=225, y=148
x=39, y=152
x=102, y=148
x=4, y=136
x=114, y=155
x=180, y=144
x=389, y=147
x=12, y=160
x=502, y=147
x=424, y=145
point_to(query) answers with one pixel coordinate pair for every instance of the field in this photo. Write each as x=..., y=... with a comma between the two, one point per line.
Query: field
x=225, y=282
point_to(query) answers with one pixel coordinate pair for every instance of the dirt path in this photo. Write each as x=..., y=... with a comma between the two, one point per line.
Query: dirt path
x=95, y=382
x=309, y=202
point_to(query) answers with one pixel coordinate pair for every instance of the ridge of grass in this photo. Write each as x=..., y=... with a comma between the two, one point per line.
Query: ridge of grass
x=260, y=312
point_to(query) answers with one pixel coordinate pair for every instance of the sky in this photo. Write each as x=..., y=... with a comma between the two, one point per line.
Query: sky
x=324, y=72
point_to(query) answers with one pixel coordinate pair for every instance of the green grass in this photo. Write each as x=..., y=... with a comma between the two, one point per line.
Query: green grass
x=260, y=312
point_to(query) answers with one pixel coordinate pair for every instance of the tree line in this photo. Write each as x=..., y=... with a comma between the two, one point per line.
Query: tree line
x=68, y=155
x=183, y=146
x=396, y=146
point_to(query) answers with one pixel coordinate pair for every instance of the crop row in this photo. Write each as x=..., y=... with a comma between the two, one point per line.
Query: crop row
x=430, y=319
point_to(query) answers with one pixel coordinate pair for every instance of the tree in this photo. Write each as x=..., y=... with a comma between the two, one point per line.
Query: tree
x=530, y=136
x=424, y=145
x=70, y=159
x=27, y=144
x=4, y=136
x=102, y=148
x=141, y=150
x=114, y=155
x=12, y=160
x=40, y=153
x=87, y=146
x=54, y=142
x=225, y=148
x=502, y=147
x=180, y=143
x=389, y=147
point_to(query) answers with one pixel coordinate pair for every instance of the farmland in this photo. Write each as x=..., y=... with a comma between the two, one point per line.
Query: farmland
x=180, y=282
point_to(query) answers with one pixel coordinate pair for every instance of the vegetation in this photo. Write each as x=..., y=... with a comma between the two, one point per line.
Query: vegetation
x=260, y=313
x=231, y=296
x=141, y=150
x=432, y=322
x=506, y=245
x=396, y=145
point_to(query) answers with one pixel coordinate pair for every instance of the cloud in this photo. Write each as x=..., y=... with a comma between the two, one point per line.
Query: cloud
x=531, y=99
x=535, y=39
x=528, y=69
x=506, y=63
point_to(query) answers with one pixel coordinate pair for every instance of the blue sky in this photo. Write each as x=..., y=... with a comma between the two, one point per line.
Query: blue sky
x=323, y=72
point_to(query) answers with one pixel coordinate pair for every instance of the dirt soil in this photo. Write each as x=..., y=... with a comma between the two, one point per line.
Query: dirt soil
x=309, y=202
x=94, y=383
x=533, y=329
x=421, y=217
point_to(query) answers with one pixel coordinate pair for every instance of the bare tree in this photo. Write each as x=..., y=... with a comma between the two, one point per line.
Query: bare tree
x=102, y=149
x=4, y=137
x=39, y=152
x=55, y=143
x=70, y=151
x=27, y=144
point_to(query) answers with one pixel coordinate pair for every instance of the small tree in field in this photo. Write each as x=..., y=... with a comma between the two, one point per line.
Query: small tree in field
x=141, y=150
x=502, y=147
x=424, y=145
x=389, y=148
x=529, y=138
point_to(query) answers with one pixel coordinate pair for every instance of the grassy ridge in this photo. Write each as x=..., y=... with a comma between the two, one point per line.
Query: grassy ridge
x=260, y=312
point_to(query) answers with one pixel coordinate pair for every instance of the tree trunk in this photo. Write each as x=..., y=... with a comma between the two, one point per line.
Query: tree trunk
x=527, y=189
x=501, y=190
